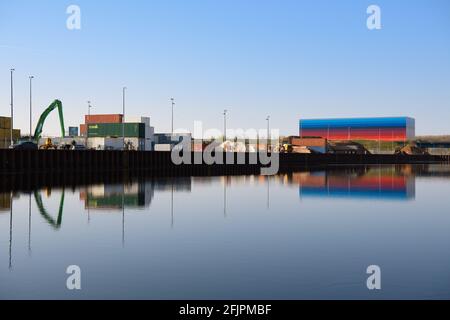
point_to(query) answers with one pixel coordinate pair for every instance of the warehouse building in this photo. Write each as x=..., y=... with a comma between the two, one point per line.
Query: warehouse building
x=377, y=129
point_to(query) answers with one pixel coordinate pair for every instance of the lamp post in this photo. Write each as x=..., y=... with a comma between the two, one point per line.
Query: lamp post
x=31, y=105
x=268, y=132
x=225, y=112
x=88, y=122
x=173, y=104
x=123, y=115
x=12, y=106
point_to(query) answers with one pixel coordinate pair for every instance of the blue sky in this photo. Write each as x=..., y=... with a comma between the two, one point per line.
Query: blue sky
x=288, y=58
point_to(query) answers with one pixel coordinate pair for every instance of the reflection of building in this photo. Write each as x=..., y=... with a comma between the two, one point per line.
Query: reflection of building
x=383, y=184
x=113, y=197
x=116, y=196
x=379, y=129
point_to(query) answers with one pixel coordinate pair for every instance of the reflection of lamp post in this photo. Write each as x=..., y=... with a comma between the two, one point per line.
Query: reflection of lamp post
x=29, y=224
x=10, y=230
x=171, y=206
x=123, y=216
x=225, y=196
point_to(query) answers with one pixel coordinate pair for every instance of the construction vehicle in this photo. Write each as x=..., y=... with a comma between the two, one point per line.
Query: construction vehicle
x=48, y=145
x=38, y=132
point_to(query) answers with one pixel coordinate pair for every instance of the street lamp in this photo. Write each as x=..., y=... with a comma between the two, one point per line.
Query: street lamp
x=88, y=122
x=173, y=104
x=12, y=106
x=31, y=105
x=268, y=132
x=123, y=119
x=225, y=112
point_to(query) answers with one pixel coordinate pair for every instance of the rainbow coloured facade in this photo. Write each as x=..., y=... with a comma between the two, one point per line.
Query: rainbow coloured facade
x=379, y=129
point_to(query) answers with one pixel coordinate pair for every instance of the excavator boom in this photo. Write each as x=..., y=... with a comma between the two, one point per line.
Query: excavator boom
x=55, y=104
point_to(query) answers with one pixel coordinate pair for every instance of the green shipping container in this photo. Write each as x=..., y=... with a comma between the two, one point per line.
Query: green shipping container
x=103, y=130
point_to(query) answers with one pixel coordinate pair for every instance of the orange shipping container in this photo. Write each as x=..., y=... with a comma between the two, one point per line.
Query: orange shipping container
x=103, y=118
x=83, y=129
x=308, y=142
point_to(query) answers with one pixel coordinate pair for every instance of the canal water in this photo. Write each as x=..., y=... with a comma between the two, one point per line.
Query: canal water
x=302, y=235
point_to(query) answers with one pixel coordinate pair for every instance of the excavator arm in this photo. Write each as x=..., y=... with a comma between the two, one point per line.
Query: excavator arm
x=51, y=221
x=55, y=104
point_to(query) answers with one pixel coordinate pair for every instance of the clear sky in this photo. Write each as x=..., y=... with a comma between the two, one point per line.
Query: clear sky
x=286, y=58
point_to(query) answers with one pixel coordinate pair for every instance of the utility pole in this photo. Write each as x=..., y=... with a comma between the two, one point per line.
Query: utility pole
x=268, y=132
x=12, y=106
x=173, y=104
x=31, y=106
x=88, y=122
x=225, y=112
x=123, y=119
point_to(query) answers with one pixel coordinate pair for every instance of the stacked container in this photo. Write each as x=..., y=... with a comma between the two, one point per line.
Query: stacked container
x=5, y=133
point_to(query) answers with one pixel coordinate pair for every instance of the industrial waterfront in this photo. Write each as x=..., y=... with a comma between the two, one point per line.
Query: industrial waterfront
x=307, y=234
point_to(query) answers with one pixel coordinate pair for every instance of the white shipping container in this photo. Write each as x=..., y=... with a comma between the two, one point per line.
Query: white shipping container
x=137, y=144
x=99, y=143
x=137, y=119
x=163, y=147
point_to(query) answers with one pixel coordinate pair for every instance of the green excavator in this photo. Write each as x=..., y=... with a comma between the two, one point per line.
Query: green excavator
x=48, y=145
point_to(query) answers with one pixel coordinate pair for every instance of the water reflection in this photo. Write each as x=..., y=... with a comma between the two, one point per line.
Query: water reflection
x=380, y=183
x=121, y=204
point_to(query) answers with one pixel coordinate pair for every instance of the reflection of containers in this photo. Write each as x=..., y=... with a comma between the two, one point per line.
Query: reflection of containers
x=132, y=130
x=103, y=118
x=5, y=202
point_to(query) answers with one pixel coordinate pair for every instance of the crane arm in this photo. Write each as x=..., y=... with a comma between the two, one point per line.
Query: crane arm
x=55, y=104
x=51, y=221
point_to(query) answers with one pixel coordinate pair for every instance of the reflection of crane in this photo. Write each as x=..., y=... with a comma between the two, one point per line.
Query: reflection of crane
x=37, y=133
x=54, y=223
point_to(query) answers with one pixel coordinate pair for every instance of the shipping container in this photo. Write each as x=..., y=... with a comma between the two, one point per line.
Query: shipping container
x=163, y=147
x=83, y=129
x=137, y=119
x=308, y=142
x=132, y=130
x=6, y=134
x=105, y=143
x=103, y=118
x=73, y=131
x=5, y=123
x=136, y=144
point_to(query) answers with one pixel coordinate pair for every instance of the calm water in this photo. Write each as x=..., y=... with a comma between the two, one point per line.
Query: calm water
x=303, y=235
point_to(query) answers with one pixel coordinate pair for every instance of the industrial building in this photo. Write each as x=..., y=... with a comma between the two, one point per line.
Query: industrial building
x=106, y=131
x=377, y=129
